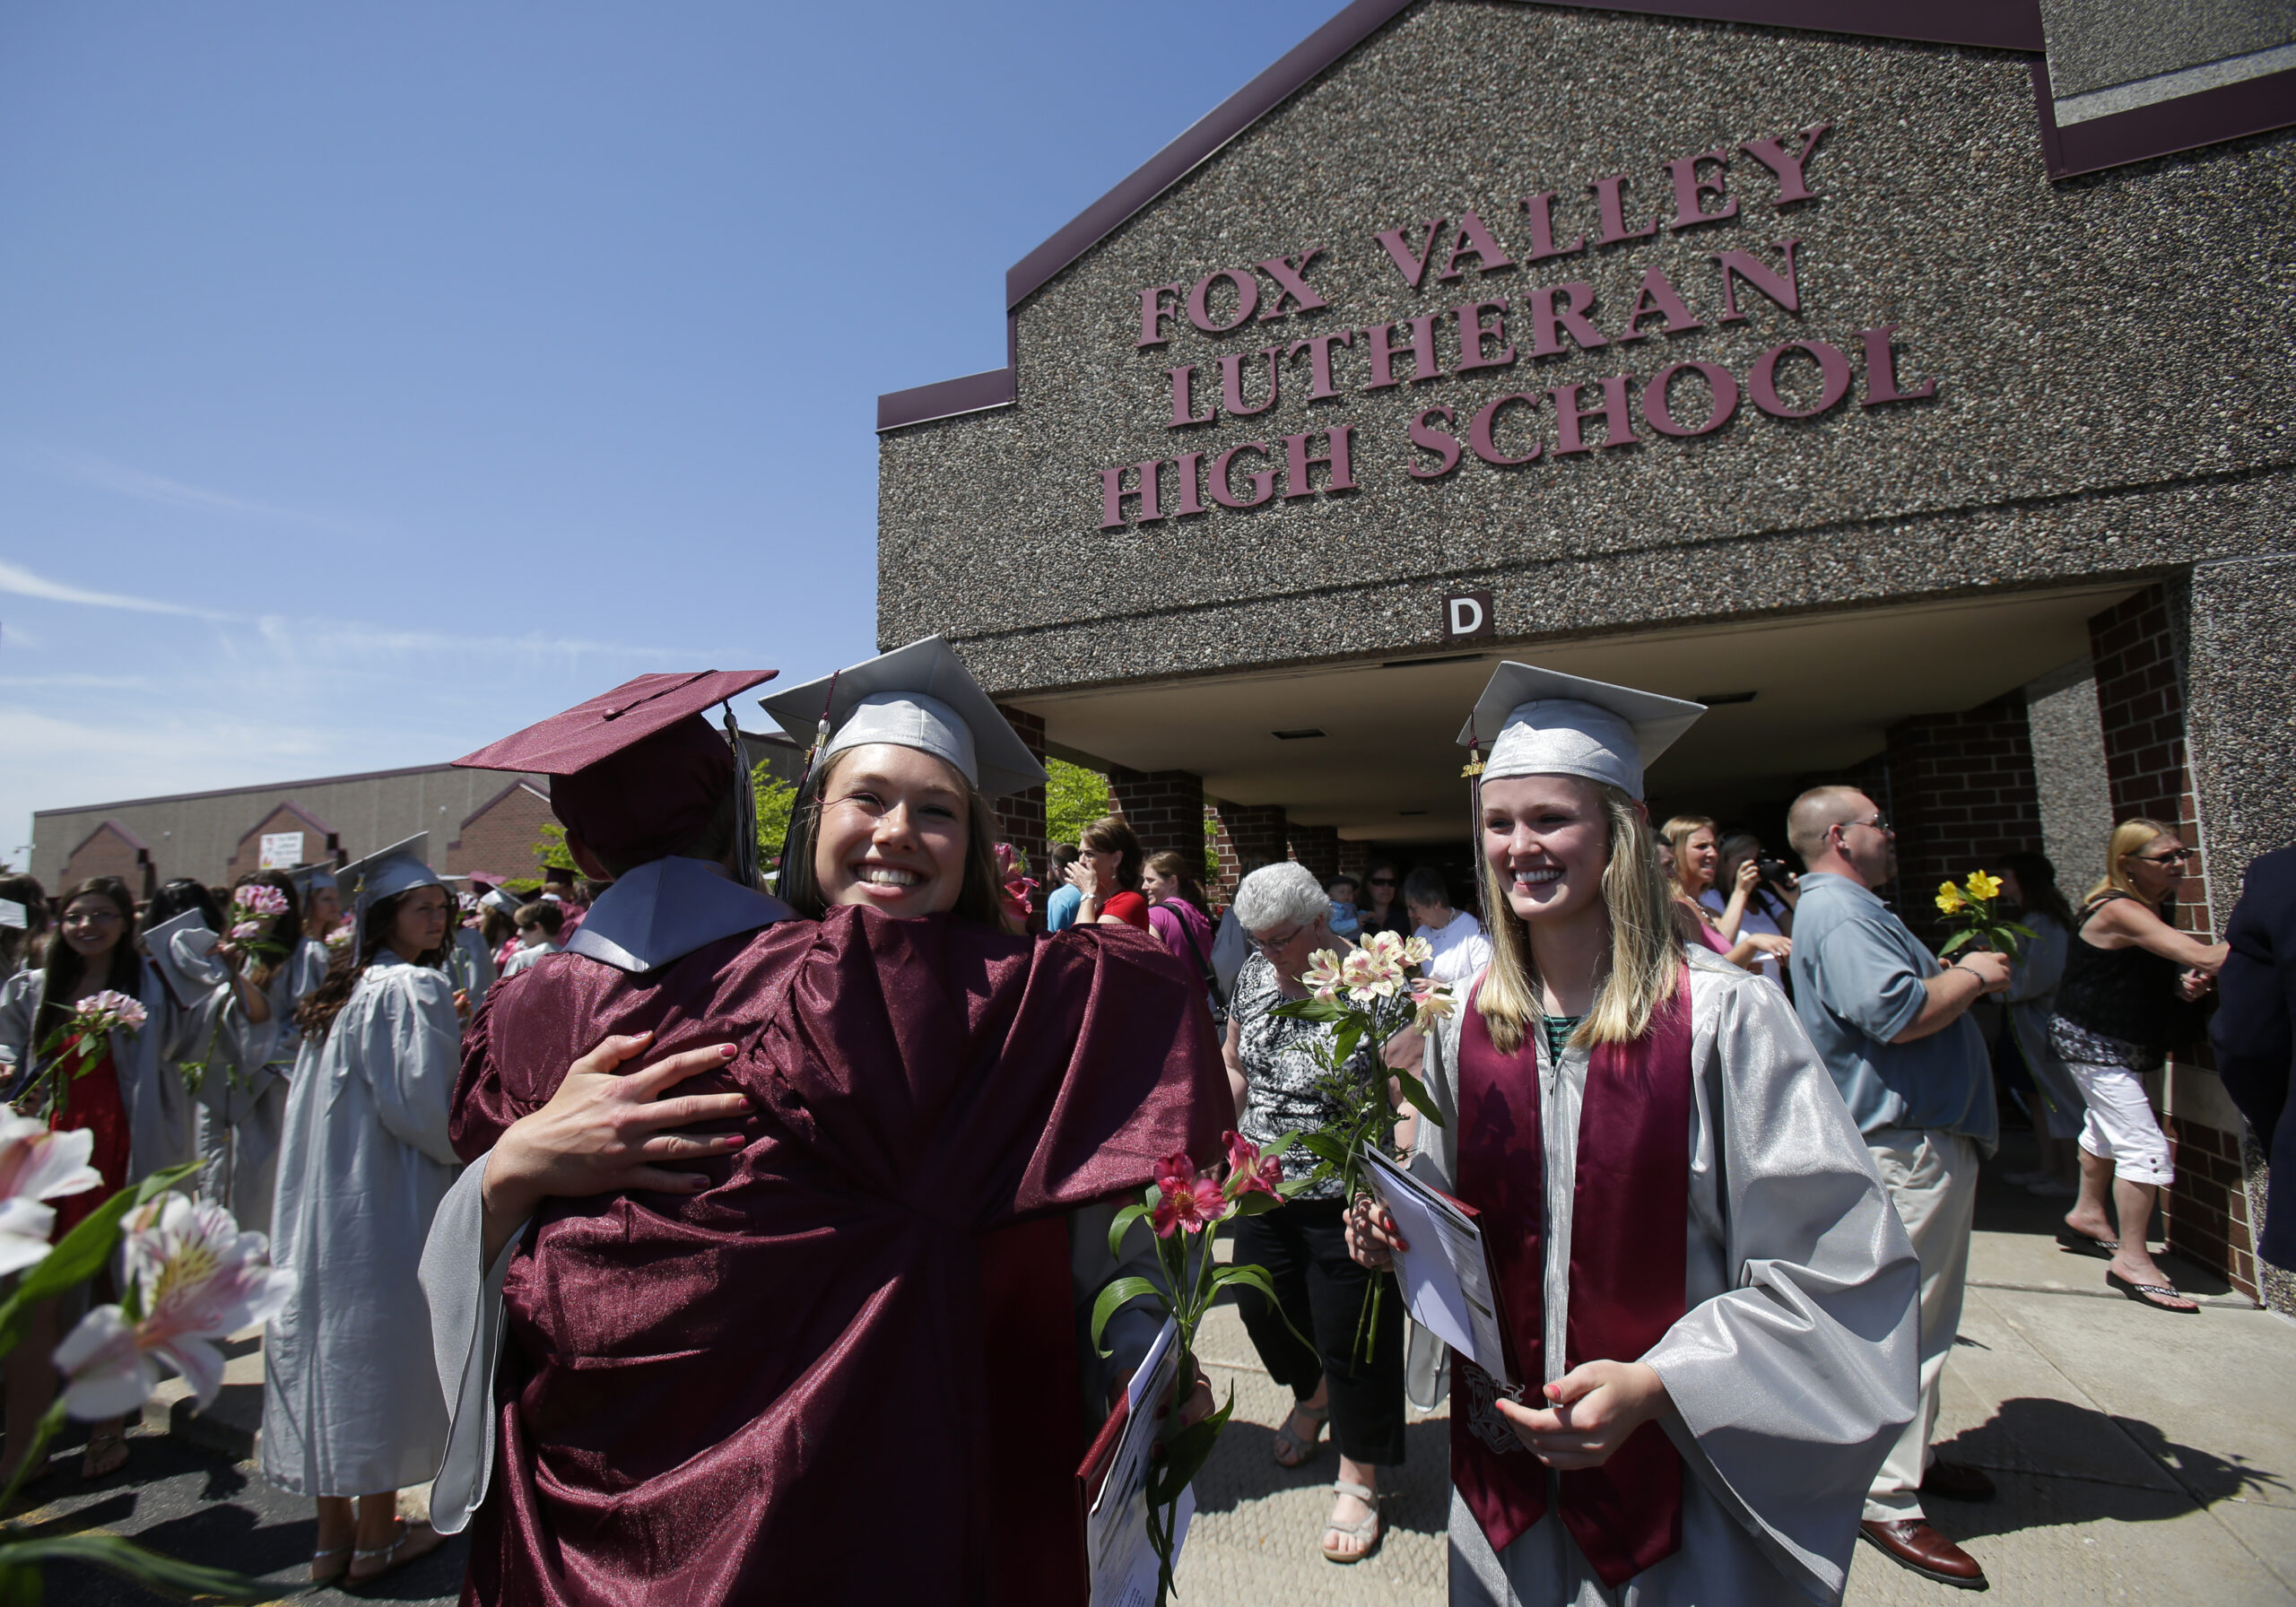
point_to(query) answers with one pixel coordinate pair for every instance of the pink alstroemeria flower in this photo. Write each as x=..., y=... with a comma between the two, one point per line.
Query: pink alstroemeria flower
x=103, y=1011
x=36, y=1166
x=1430, y=1002
x=257, y=898
x=1187, y=1201
x=1322, y=975
x=200, y=1280
x=1247, y=1171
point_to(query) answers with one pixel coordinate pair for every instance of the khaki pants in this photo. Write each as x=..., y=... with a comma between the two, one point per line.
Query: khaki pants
x=1931, y=1175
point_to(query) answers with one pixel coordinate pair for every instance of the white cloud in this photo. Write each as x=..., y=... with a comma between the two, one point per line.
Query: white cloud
x=123, y=479
x=14, y=578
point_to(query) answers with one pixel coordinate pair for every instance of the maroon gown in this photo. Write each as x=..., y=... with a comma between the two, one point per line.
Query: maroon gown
x=791, y=1387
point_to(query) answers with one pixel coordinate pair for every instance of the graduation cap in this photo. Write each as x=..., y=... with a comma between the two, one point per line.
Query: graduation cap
x=13, y=917
x=310, y=878
x=182, y=948
x=919, y=697
x=397, y=869
x=1536, y=722
x=500, y=899
x=637, y=773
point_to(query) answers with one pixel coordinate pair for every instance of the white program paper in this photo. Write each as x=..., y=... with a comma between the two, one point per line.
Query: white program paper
x=1116, y=1531
x=1445, y=1275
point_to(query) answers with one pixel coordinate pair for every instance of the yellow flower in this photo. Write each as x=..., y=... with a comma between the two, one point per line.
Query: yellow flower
x=1949, y=897
x=1984, y=887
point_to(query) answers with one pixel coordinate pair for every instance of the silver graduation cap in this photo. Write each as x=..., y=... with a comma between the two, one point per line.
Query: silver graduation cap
x=393, y=870
x=916, y=696
x=1536, y=722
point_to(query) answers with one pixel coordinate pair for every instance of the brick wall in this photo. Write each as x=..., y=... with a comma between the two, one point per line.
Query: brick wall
x=320, y=842
x=1961, y=792
x=1354, y=859
x=1317, y=848
x=1164, y=809
x=500, y=836
x=111, y=850
x=1021, y=817
x=1226, y=865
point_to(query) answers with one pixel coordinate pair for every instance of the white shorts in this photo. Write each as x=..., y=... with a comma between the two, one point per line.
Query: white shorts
x=2120, y=1126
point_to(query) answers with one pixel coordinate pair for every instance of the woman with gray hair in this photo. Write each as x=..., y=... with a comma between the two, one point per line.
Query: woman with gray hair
x=1275, y=1068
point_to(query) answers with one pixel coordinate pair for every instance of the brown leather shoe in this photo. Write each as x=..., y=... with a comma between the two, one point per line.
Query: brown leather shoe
x=1916, y=1545
x=1956, y=1481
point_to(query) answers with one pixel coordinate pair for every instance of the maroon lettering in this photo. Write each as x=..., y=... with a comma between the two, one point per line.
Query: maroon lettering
x=1414, y=268
x=1785, y=289
x=1113, y=495
x=1378, y=343
x=1319, y=350
x=1159, y=303
x=1657, y=412
x=1184, y=399
x=1231, y=382
x=1290, y=274
x=1547, y=321
x=1473, y=333
x=1297, y=461
x=1428, y=438
x=1199, y=300
x=1610, y=205
x=1191, y=467
x=1691, y=191
x=1772, y=154
x=1223, y=490
x=1473, y=240
x=1541, y=208
x=1882, y=370
x=1570, y=418
x=1479, y=433
x=1833, y=369
x=1659, y=299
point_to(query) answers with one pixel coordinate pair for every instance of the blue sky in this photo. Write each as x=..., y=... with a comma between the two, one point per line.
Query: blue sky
x=374, y=380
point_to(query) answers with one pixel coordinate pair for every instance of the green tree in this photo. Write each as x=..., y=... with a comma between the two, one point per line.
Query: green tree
x=1074, y=798
x=775, y=799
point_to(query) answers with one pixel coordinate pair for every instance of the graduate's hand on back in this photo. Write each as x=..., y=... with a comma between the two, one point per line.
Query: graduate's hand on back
x=608, y=1131
x=1591, y=1410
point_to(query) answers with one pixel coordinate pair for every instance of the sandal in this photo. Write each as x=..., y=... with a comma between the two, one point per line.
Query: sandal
x=1293, y=1449
x=323, y=1569
x=414, y=1539
x=2081, y=1244
x=2155, y=1295
x=1367, y=1528
x=105, y=1454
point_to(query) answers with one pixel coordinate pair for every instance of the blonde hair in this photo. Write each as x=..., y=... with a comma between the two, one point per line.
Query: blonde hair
x=2132, y=836
x=1645, y=960
x=1678, y=832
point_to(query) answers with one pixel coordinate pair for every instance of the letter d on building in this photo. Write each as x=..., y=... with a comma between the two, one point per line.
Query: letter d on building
x=1466, y=617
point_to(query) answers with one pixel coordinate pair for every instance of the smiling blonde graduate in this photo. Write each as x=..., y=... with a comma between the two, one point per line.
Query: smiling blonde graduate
x=1701, y=1281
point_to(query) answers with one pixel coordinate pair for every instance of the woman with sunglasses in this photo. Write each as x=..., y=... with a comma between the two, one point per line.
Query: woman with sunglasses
x=1381, y=907
x=2130, y=993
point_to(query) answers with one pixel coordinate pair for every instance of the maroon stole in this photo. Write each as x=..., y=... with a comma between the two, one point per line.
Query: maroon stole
x=1630, y=1226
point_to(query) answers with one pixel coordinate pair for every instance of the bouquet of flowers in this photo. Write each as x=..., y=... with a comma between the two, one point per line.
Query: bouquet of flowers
x=253, y=907
x=1349, y=994
x=84, y=1035
x=192, y=1279
x=1013, y=876
x=1969, y=908
x=1183, y=1207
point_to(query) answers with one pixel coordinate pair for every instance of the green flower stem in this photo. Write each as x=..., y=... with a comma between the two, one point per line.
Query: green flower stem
x=42, y=1432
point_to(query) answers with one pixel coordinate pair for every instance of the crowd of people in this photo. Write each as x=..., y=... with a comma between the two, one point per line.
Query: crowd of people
x=641, y=1213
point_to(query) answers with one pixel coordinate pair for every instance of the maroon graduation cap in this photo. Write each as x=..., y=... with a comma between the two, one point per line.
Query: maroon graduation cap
x=637, y=772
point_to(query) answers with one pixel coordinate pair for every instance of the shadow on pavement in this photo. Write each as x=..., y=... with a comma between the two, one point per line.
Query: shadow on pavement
x=1417, y=1495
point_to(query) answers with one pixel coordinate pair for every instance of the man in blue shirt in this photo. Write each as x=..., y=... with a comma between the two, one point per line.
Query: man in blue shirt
x=1893, y=1026
x=1060, y=908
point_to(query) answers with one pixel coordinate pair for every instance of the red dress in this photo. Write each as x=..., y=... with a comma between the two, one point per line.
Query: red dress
x=92, y=1102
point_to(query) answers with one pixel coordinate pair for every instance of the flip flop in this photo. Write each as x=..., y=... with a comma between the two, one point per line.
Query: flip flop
x=415, y=1540
x=2081, y=1244
x=2149, y=1294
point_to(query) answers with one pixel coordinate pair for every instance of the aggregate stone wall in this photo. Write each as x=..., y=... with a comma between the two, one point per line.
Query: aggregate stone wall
x=2069, y=766
x=2110, y=356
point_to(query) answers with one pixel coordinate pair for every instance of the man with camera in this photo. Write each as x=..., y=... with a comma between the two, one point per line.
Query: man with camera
x=1893, y=1026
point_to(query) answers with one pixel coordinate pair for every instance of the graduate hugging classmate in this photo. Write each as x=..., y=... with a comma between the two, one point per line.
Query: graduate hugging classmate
x=1701, y=1285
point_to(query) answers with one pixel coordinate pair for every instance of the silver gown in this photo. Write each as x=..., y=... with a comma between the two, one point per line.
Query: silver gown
x=1793, y=1369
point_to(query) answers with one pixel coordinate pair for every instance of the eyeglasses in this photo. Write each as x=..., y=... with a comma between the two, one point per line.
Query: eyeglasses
x=2174, y=857
x=1880, y=822
x=1383, y=882
x=92, y=917
x=1272, y=945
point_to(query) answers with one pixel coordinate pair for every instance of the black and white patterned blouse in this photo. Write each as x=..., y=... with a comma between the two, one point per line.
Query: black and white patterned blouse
x=1282, y=1063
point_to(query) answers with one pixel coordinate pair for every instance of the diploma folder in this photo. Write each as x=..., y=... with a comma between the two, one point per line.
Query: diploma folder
x=1446, y=1275
x=1112, y=1487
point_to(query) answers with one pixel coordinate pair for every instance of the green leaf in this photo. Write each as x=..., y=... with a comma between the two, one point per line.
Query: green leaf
x=1325, y=1148
x=20, y=1586
x=1186, y=1453
x=131, y=1561
x=1957, y=940
x=1313, y=1010
x=1343, y=1042
x=1257, y=1203
x=1423, y=1102
x=1293, y=1187
x=1115, y=1295
x=1121, y=1225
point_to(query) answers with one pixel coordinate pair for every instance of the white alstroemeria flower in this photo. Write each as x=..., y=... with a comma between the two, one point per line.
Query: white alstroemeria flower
x=36, y=1166
x=1415, y=951
x=200, y=1280
x=1322, y=976
x=1430, y=1002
